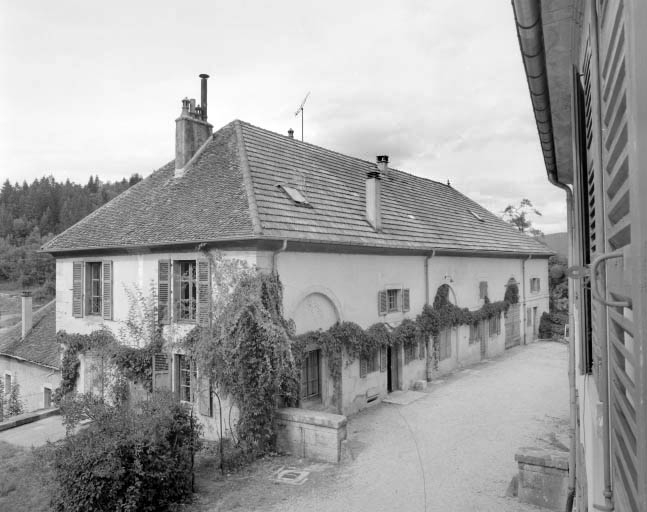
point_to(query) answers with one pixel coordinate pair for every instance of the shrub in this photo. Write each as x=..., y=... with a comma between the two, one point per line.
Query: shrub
x=130, y=458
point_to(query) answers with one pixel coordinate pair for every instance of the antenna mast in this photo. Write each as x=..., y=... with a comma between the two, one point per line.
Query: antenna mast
x=300, y=110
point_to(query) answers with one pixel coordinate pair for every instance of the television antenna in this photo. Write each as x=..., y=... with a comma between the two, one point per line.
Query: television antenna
x=300, y=110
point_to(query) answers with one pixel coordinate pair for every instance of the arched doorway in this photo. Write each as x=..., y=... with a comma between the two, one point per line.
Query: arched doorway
x=317, y=309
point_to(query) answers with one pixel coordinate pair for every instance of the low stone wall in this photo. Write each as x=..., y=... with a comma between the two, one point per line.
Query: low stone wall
x=543, y=477
x=310, y=434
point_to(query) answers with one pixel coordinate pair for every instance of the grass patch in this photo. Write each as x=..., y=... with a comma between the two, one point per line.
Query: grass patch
x=25, y=478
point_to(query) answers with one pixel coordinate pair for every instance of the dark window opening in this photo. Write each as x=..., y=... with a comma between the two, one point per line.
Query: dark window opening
x=310, y=383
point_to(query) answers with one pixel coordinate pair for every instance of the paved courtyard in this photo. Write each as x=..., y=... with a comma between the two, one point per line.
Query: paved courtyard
x=450, y=451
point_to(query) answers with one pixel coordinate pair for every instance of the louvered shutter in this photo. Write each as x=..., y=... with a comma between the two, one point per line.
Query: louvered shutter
x=383, y=359
x=204, y=296
x=622, y=41
x=161, y=372
x=106, y=291
x=381, y=302
x=205, y=400
x=363, y=367
x=77, y=289
x=482, y=289
x=163, y=291
x=405, y=299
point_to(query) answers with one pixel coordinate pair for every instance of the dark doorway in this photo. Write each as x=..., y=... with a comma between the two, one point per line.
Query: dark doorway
x=392, y=369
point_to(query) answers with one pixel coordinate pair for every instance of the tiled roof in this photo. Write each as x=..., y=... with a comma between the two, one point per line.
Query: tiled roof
x=40, y=345
x=231, y=192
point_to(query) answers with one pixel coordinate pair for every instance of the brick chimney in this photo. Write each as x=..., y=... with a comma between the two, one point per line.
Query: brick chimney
x=191, y=129
x=374, y=196
x=26, y=313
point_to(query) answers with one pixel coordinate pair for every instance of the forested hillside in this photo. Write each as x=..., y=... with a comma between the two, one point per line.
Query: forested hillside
x=31, y=214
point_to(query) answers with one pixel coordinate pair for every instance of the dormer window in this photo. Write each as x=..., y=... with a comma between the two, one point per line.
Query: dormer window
x=295, y=194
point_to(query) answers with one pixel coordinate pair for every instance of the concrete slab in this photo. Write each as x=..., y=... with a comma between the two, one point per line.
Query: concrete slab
x=403, y=397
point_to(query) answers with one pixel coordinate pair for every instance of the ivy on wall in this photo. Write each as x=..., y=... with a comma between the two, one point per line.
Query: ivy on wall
x=430, y=322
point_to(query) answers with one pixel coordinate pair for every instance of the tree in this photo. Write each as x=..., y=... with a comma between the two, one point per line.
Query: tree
x=518, y=216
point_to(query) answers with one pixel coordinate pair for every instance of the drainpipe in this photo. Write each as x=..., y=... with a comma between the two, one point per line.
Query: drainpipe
x=429, y=361
x=572, y=393
x=276, y=253
x=523, y=288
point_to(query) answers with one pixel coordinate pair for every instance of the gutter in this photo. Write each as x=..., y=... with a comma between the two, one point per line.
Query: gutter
x=527, y=15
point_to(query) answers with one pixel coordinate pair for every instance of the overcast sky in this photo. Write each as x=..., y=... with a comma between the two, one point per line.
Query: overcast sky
x=92, y=87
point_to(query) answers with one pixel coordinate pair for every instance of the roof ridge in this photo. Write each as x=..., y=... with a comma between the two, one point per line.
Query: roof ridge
x=316, y=146
x=247, y=179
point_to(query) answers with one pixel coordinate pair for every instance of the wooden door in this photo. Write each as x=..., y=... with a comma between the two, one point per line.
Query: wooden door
x=512, y=328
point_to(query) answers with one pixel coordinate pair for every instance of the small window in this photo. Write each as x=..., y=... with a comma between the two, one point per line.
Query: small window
x=7, y=383
x=410, y=352
x=47, y=398
x=482, y=289
x=494, y=325
x=534, y=285
x=310, y=383
x=476, y=216
x=528, y=318
x=296, y=195
x=187, y=377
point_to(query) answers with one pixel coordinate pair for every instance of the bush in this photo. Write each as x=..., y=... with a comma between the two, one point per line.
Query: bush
x=130, y=458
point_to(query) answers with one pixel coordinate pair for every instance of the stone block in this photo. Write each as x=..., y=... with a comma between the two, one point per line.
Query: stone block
x=310, y=434
x=419, y=385
x=543, y=477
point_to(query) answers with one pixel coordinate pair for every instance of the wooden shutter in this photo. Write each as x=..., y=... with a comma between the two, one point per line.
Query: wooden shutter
x=363, y=367
x=161, y=372
x=163, y=291
x=204, y=295
x=381, y=302
x=106, y=300
x=405, y=299
x=622, y=42
x=77, y=289
x=482, y=289
x=205, y=397
x=383, y=358
x=176, y=293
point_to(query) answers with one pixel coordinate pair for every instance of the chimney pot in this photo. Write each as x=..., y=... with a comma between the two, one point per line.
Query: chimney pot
x=203, y=95
x=382, y=162
x=26, y=312
x=291, y=133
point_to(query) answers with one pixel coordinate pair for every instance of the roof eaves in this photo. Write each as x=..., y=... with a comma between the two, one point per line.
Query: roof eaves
x=18, y=358
x=247, y=180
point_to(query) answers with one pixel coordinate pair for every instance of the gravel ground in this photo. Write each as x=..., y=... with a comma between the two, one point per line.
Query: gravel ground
x=452, y=450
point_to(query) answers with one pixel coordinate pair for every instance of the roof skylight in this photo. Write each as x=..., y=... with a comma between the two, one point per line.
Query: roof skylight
x=476, y=215
x=295, y=195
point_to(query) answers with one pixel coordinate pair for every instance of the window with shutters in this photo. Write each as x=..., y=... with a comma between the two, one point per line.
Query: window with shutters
x=310, y=375
x=393, y=300
x=188, y=300
x=92, y=289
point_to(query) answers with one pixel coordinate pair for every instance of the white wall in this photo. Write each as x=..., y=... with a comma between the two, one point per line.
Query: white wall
x=32, y=380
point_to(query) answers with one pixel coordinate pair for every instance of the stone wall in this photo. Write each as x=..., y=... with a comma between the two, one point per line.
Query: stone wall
x=543, y=477
x=310, y=434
